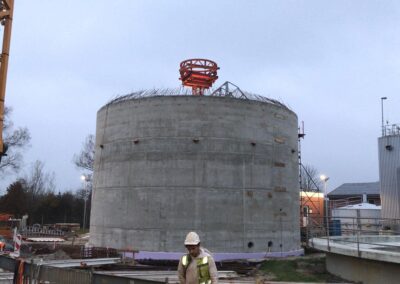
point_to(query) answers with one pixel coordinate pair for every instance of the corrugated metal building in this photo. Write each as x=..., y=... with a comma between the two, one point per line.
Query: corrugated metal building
x=389, y=171
x=352, y=193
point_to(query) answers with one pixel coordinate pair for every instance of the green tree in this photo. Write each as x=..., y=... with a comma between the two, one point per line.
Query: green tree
x=47, y=210
x=15, y=201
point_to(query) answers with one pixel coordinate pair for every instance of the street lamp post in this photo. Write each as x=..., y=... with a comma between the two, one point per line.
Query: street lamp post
x=85, y=179
x=383, y=121
x=325, y=179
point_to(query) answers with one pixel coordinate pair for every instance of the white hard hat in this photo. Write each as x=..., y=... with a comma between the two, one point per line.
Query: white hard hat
x=192, y=239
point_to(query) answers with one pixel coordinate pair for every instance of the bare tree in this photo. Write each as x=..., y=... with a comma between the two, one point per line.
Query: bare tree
x=39, y=182
x=16, y=140
x=310, y=180
x=85, y=159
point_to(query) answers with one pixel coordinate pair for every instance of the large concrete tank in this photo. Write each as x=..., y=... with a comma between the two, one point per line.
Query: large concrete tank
x=389, y=172
x=224, y=167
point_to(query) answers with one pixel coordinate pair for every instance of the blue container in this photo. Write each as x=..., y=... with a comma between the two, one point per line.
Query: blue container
x=335, y=228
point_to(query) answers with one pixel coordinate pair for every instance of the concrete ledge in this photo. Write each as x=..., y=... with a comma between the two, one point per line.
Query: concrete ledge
x=362, y=270
x=370, y=247
x=369, y=259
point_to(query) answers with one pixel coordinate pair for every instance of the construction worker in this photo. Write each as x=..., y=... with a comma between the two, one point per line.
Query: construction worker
x=198, y=266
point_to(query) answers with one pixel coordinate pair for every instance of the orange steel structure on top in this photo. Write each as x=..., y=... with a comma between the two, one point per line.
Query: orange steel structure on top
x=199, y=74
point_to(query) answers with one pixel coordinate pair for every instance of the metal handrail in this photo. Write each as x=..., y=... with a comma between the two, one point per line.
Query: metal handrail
x=393, y=129
x=354, y=232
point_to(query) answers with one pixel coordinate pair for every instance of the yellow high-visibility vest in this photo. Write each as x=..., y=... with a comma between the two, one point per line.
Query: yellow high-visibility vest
x=202, y=268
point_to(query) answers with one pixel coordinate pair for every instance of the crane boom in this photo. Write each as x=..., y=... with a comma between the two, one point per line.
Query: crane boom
x=6, y=15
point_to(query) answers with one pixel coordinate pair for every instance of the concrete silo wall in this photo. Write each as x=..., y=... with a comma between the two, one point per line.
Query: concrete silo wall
x=224, y=167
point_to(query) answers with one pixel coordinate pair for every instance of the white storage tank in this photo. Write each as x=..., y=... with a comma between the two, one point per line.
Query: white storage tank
x=363, y=217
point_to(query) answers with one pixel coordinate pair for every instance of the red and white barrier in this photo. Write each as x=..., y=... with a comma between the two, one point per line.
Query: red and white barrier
x=17, y=244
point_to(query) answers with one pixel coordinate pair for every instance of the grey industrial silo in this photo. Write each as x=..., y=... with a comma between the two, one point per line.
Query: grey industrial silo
x=389, y=172
x=168, y=162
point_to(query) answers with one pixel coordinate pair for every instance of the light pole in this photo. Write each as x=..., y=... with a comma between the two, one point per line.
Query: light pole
x=85, y=179
x=383, y=121
x=325, y=179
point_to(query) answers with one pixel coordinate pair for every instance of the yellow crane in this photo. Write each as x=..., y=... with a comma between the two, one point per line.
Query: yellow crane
x=6, y=15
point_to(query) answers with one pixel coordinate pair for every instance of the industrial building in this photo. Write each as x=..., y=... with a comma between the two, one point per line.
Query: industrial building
x=222, y=163
x=363, y=244
x=389, y=171
x=352, y=193
x=364, y=217
x=312, y=208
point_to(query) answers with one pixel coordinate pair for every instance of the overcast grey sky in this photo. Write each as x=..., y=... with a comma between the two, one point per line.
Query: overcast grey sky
x=330, y=61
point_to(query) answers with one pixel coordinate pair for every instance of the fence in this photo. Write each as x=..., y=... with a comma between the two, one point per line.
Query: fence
x=333, y=204
x=356, y=232
x=393, y=129
x=32, y=232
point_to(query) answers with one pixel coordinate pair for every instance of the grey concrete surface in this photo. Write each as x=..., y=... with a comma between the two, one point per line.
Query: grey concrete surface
x=363, y=270
x=367, y=259
x=224, y=167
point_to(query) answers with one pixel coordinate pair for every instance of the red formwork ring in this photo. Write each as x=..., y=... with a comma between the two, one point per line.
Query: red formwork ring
x=199, y=74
